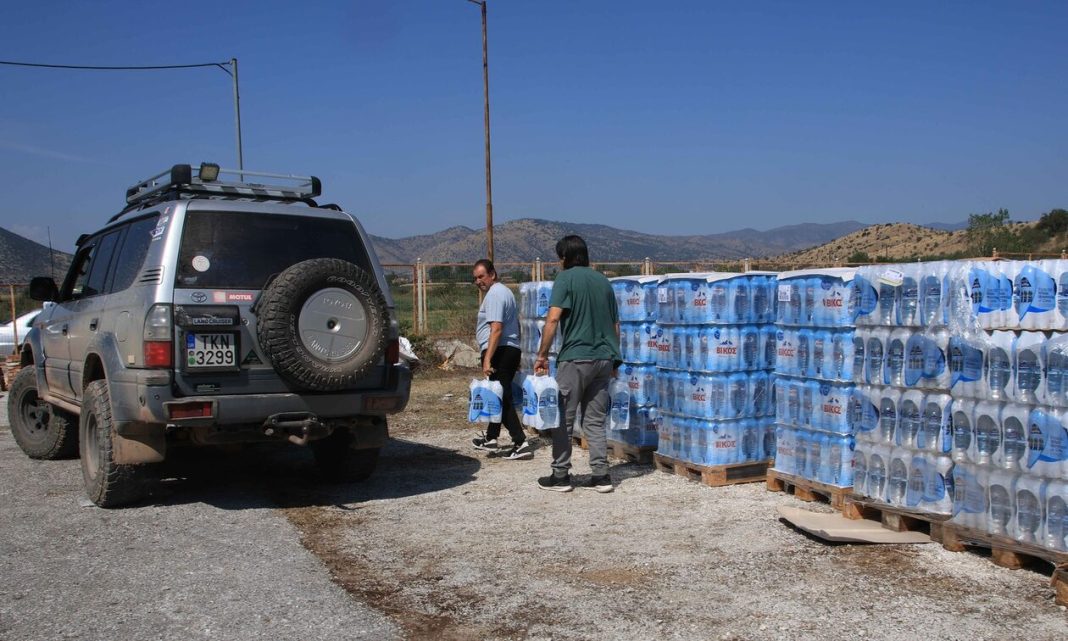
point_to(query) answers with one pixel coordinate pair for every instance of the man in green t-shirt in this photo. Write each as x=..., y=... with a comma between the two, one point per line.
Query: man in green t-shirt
x=584, y=307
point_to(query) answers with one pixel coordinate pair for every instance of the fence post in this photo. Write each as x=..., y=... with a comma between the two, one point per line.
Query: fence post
x=647, y=267
x=420, y=297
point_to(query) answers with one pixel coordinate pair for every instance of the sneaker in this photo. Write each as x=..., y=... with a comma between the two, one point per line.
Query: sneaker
x=602, y=484
x=521, y=452
x=555, y=483
x=483, y=443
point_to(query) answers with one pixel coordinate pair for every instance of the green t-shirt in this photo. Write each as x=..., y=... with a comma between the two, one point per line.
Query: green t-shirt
x=590, y=315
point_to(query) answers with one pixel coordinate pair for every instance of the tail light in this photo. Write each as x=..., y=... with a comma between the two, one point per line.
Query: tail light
x=392, y=352
x=159, y=337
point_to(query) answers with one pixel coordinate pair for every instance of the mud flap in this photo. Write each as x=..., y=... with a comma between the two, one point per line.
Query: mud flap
x=369, y=432
x=138, y=443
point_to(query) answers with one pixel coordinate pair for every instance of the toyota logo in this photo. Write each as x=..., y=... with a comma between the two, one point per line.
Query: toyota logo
x=199, y=297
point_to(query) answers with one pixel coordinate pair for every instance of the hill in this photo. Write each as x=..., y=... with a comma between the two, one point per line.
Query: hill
x=21, y=259
x=529, y=238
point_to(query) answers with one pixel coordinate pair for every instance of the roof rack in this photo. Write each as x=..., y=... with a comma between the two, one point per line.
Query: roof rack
x=179, y=181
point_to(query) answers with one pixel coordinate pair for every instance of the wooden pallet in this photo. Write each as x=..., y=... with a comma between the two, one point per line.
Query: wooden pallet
x=715, y=475
x=807, y=490
x=1004, y=552
x=897, y=519
x=641, y=454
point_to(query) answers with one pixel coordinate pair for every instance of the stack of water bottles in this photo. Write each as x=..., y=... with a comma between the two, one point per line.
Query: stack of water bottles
x=814, y=368
x=713, y=367
x=1009, y=440
x=902, y=407
x=533, y=307
x=634, y=418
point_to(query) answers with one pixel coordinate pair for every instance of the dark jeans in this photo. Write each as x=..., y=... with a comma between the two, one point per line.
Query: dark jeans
x=505, y=363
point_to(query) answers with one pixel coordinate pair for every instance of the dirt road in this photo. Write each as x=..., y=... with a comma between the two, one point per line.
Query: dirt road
x=445, y=543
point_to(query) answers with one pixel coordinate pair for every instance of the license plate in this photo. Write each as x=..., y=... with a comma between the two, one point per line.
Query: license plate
x=210, y=350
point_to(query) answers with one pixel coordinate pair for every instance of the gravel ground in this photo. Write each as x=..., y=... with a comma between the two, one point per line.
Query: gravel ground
x=447, y=543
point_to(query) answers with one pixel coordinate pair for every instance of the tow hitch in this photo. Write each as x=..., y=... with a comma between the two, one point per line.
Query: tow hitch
x=298, y=427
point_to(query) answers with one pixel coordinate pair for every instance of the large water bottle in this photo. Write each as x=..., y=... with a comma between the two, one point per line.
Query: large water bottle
x=933, y=286
x=1048, y=442
x=908, y=302
x=758, y=286
x=910, y=419
x=860, y=342
x=1055, y=501
x=862, y=414
x=809, y=290
x=887, y=283
x=692, y=349
x=759, y=394
x=548, y=404
x=752, y=356
x=726, y=348
x=971, y=496
x=749, y=441
x=863, y=298
x=1027, y=367
x=917, y=478
x=619, y=396
x=897, y=481
x=782, y=413
x=1012, y=455
x=936, y=427
x=768, y=334
x=1059, y=270
x=719, y=299
x=741, y=300
x=987, y=427
x=936, y=372
x=786, y=352
x=810, y=393
x=1000, y=507
x=1028, y=524
x=784, y=450
x=998, y=365
x=938, y=489
x=889, y=400
x=966, y=359
x=984, y=291
x=963, y=450
x=1007, y=272
x=1055, y=365
x=737, y=395
x=821, y=351
x=795, y=301
x=665, y=302
x=894, y=367
x=860, y=470
x=1035, y=295
x=840, y=363
x=878, y=462
x=804, y=352
x=875, y=355
x=833, y=302
x=718, y=396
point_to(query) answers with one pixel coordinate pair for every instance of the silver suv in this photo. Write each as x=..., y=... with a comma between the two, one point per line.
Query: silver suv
x=211, y=312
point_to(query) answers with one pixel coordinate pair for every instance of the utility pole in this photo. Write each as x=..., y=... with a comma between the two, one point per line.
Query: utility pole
x=486, y=119
x=237, y=116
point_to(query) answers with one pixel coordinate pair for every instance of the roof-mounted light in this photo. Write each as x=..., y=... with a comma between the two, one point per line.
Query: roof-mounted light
x=209, y=172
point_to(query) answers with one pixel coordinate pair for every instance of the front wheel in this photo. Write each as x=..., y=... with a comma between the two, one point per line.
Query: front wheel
x=40, y=429
x=108, y=483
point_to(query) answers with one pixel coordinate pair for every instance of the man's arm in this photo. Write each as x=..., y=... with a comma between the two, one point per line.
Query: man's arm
x=552, y=321
x=496, y=329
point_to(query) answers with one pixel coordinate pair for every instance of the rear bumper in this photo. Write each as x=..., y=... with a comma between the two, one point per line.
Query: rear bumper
x=145, y=397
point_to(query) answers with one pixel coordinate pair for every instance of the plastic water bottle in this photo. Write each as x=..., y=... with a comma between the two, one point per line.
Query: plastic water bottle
x=910, y=419
x=759, y=394
x=548, y=406
x=770, y=447
x=705, y=348
x=1027, y=367
x=966, y=360
x=761, y=313
x=936, y=427
x=1047, y=442
x=493, y=401
x=719, y=300
x=963, y=442
x=908, y=303
x=898, y=476
x=860, y=342
x=718, y=396
x=1059, y=271
x=809, y=397
x=894, y=367
x=1012, y=455
x=987, y=428
x=768, y=334
x=1000, y=507
x=809, y=288
x=860, y=471
x=887, y=297
x=938, y=486
x=998, y=365
x=874, y=355
x=1055, y=365
x=863, y=298
x=726, y=348
x=619, y=393
x=889, y=400
x=786, y=352
x=1027, y=525
x=738, y=395
x=784, y=450
x=933, y=277
x=751, y=348
x=878, y=462
x=816, y=442
x=841, y=360
x=917, y=478
x=936, y=372
x=804, y=351
x=796, y=301
x=1035, y=296
x=741, y=300
x=821, y=349
x=1055, y=530
x=476, y=402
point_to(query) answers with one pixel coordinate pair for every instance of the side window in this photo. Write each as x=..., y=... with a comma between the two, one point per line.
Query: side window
x=129, y=261
x=74, y=285
x=98, y=269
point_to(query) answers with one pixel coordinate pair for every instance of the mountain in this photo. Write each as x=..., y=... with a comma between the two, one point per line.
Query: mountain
x=21, y=259
x=525, y=239
x=948, y=226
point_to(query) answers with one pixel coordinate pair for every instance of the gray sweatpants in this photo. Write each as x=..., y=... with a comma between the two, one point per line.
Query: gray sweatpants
x=585, y=384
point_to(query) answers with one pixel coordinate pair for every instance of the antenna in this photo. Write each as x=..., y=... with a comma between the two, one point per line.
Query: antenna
x=51, y=253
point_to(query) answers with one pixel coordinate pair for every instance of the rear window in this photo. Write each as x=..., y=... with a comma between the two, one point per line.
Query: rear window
x=243, y=250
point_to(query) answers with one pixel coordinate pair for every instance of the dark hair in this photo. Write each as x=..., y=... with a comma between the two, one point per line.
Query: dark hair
x=572, y=250
x=486, y=264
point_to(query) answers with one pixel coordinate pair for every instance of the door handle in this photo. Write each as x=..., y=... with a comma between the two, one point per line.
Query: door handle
x=93, y=323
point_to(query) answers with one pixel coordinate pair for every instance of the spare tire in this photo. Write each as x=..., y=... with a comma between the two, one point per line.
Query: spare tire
x=323, y=324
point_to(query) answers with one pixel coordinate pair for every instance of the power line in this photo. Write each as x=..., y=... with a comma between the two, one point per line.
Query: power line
x=119, y=68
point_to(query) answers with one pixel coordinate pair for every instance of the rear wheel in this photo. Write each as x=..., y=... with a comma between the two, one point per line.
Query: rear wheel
x=108, y=483
x=41, y=430
x=338, y=462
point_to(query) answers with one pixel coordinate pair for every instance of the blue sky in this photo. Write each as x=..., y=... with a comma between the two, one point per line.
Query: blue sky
x=691, y=116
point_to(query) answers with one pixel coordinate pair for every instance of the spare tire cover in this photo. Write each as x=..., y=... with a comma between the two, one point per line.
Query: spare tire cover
x=323, y=323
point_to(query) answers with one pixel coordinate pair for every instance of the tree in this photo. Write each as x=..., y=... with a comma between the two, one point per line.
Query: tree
x=1054, y=222
x=989, y=231
x=858, y=257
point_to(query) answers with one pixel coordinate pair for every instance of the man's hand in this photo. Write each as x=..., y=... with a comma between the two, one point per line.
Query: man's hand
x=541, y=365
x=487, y=369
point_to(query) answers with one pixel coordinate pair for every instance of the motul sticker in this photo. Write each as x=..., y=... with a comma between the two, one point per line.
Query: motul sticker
x=236, y=297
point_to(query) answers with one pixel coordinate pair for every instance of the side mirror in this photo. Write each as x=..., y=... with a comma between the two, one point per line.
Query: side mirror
x=43, y=288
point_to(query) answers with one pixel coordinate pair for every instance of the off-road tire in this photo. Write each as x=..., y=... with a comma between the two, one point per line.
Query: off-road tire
x=313, y=350
x=42, y=430
x=338, y=462
x=107, y=483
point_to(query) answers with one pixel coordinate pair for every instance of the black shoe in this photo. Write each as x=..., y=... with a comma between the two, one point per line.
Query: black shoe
x=555, y=483
x=521, y=452
x=483, y=443
x=602, y=484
